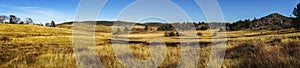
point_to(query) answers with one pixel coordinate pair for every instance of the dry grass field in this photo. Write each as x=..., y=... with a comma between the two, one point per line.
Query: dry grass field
x=48, y=47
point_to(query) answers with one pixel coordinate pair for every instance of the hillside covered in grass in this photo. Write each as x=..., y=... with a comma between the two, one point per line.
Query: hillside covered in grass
x=39, y=46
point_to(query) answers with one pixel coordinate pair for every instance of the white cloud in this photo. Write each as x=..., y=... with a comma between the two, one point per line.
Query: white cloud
x=38, y=14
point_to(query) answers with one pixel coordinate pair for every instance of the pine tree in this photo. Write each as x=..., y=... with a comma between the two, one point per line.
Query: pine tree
x=52, y=24
x=296, y=12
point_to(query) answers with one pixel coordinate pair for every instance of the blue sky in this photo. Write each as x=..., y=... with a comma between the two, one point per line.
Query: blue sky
x=42, y=11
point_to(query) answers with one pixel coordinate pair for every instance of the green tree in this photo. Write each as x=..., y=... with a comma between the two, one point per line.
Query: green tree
x=205, y=27
x=296, y=12
x=247, y=23
x=146, y=28
x=28, y=21
x=52, y=24
x=165, y=27
x=48, y=24
x=3, y=18
x=12, y=19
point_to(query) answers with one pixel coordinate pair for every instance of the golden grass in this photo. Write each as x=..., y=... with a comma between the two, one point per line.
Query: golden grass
x=38, y=46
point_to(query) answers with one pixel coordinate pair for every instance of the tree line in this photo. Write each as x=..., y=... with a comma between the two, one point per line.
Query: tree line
x=12, y=19
x=273, y=21
x=198, y=26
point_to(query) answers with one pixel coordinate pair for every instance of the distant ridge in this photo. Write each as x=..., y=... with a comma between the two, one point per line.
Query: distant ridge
x=107, y=23
x=274, y=21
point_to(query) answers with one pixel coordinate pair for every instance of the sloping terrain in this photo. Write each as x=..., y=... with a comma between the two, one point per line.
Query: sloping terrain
x=39, y=46
x=273, y=21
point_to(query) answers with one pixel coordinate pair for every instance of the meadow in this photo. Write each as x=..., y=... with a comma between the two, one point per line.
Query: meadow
x=51, y=47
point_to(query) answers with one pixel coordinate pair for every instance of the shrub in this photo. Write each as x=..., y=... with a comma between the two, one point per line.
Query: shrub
x=277, y=40
x=171, y=33
x=254, y=55
x=269, y=60
x=53, y=24
x=199, y=34
x=146, y=28
x=166, y=33
x=203, y=28
x=5, y=39
x=165, y=27
x=245, y=50
x=292, y=48
x=288, y=56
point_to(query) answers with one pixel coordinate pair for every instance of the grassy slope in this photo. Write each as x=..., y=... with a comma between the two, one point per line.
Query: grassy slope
x=30, y=43
x=37, y=46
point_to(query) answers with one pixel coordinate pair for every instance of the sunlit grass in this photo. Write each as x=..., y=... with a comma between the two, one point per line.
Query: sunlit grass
x=38, y=46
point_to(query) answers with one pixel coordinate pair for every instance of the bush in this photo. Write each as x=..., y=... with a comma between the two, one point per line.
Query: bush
x=293, y=48
x=288, y=56
x=255, y=55
x=171, y=33
x=245, y=50
x=165, y=27
x=5, y=39
x=269, y=60
x=146, y=28
x=199, y=34
x=276, y=41
x=204, y=28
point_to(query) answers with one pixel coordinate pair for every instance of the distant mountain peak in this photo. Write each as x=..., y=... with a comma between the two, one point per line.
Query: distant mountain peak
x=275, y=15
x=274, y=21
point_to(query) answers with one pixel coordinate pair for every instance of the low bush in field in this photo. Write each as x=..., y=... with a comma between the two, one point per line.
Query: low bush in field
x=199, y=34
x=165, y=27
x=292, y=49
x=245, y=50
x=203, y=28
x=257, y=55
x=171, y=33
x=5, y=39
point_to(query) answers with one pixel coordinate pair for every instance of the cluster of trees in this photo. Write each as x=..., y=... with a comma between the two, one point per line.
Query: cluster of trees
x=239, y=25
x=171, y=33
x=52, y=24
x=148, y=28
x=165, y=27
x=198, y=26
x=273, y=21
x=12, y=19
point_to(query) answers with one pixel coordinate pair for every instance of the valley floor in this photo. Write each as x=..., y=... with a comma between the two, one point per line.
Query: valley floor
x=39, y=46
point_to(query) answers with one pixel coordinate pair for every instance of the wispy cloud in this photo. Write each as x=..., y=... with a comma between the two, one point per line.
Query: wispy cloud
x=32, y=9
x=40, y=14
x=37, y=10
